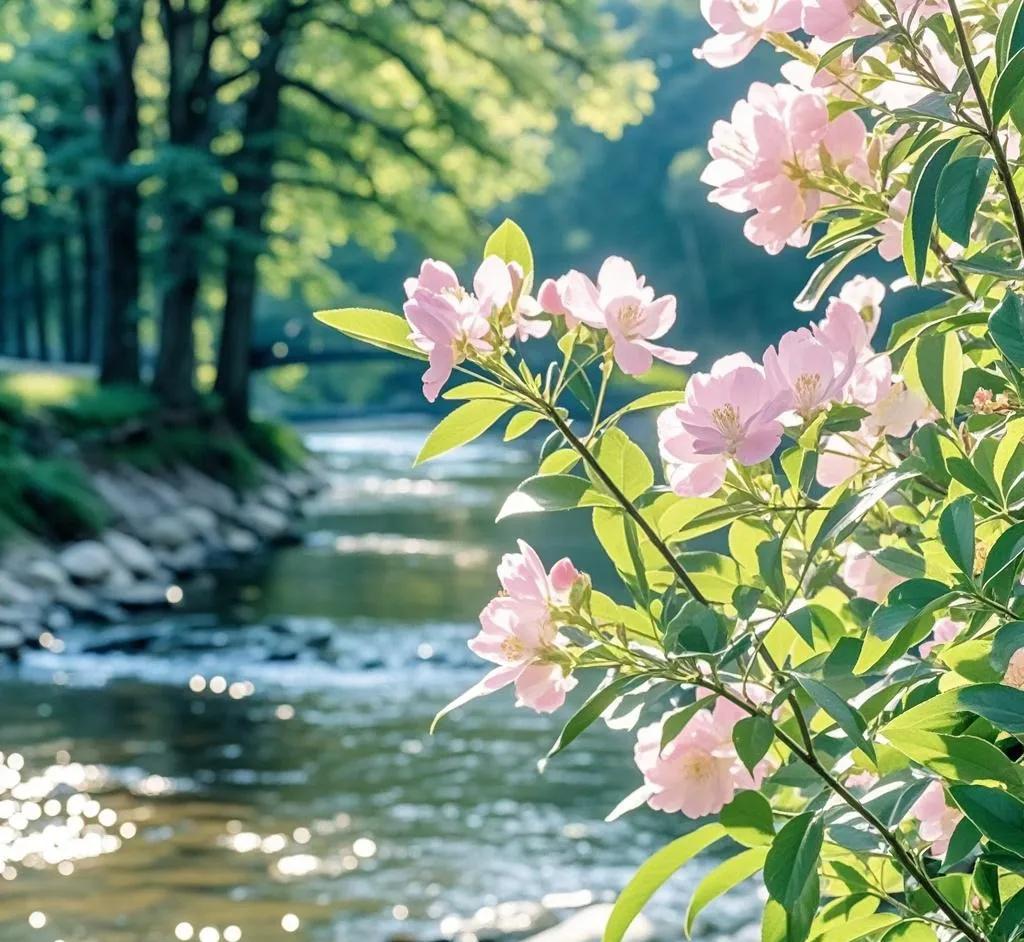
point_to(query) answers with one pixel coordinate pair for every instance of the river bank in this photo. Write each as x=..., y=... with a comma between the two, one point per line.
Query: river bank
x=109, y=507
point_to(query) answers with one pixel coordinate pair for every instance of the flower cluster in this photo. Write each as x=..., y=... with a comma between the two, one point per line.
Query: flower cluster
x=739, y=410
x=698, y=771
x=772, y=158
x=519, y=632
x=452, y=325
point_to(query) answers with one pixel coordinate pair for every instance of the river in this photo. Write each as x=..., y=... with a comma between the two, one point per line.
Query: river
x=256, y=765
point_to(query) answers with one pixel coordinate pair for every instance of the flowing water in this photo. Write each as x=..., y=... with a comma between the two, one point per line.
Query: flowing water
x=256, y=765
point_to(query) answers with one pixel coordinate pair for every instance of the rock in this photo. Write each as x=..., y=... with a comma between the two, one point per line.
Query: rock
x=131, y=553
x=276, y=497
x=202, y=520
x=14, y=593
x=166, y=532
x=80, y=602
x=199, y=489
x=514, y=918
x=88, y=561
x=45, y=574
x=240, y=541
x=58, y=619
x=265, y=522
x=588, y=926
x=137, y=595
x=22, y=614
x=185, y=559
x=11, y=642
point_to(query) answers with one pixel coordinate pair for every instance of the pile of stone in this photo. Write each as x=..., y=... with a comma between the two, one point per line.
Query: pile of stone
x=164, y=530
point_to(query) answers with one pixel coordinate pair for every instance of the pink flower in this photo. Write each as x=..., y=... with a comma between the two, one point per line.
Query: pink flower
x=739, y=26
x=762, y=158
x=626, y=307
x=519, y=633
x=866, y=577
x=897, y=411
x=551, y=297
x=833, y=20
x=944, y=631
x=841, y=457
x=448, y=324
x=451, y=325
x=504, y=283
x=689, y=474
x=891, y=229
x=865, y=295
x=937, y=819
x=862, y=781
x=1014, y=676
x=698, y=772
x=731, y=412
x=807, y=371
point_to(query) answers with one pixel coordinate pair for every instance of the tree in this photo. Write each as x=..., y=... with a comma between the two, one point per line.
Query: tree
x=240, y=143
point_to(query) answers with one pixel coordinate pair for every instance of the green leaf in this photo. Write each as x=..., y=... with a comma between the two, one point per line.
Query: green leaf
x=999, y=816
x=726, y=876
x=749, y=819
x=792, y=861
x=653, y=874
x=828, y=271
x=982, y=263
x=935, y=364
x=850, y=721
x=962, y=841
x=910, y=931
x=962, y=187
x=956, y=531
x=1010, y=923
x=853, y=929
x=467, y=422
x=956, y=758
x=476, y=389
x=547, y=492
x=920, y=217
x=843, y=517
x=1008, y=91
x=590, y=711
x=1010, y=34
x=378, y=328
x=662, y=399
x=1006, y=325
x=520, y=424
x=1002, y=562
x=675, y=722
x=753, y=736
x=1008, y=641
x=510, y=244
x=1001, y=705
x=624, y=462
x=769, y=559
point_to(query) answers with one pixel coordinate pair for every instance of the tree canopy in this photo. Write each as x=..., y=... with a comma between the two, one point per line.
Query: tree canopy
x=164, y=160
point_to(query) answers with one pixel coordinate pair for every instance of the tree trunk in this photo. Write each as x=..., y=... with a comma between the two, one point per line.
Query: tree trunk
x=174, y=380
x=21, y=308
x=255, y=181
x=90, y=279
x=39, y=299
x=118, y=98
x=190, y=38
x=66, y=296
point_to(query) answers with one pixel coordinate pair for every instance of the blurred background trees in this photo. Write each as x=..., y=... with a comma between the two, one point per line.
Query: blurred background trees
x=167, y=162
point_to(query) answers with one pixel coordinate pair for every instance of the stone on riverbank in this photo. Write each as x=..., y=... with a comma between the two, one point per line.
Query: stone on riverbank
x=588, y=926
x=88, y=561
x=132, y=553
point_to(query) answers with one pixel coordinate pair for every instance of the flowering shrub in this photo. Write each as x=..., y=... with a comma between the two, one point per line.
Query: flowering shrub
x=819, y=634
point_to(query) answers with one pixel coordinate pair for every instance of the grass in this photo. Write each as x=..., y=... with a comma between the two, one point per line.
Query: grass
x=55, y=428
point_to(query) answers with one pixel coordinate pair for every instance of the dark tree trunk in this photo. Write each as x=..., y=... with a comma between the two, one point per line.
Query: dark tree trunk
x=255, y=180
x=66, y=298
x=119, y=359
x=5, y=296
x=40, y=308
x=90, y=279
x=21, y=307
x=190, y=38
